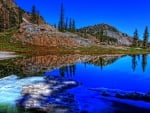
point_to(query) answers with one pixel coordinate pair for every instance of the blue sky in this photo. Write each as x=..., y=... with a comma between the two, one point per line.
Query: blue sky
x=126, y=15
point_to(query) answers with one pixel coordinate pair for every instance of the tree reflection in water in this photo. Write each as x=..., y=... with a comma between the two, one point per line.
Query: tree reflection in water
x=103, y=61
x=134, y=62
x=68, y=70
x=144, y=62
x=38, y=65
x=142, y=57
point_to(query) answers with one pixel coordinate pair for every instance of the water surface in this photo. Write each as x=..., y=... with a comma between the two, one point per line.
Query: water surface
x=128, y=73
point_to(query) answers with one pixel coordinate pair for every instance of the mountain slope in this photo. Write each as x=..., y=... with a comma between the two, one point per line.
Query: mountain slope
x=47, y=36
x=29, y=32
x=12, y=15
x=108, y=34
x=42, y=34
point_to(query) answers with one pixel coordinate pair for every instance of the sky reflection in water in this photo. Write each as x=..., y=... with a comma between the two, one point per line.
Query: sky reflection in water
x=127, y=73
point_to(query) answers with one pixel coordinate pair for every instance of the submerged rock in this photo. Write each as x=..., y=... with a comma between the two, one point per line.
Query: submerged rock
x=132, y=95
x=49, y=96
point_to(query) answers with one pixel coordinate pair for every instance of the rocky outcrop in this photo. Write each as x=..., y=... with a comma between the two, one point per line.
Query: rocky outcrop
x=49, y=96
x=122, y=39
x=107, y=33
x=48, y=36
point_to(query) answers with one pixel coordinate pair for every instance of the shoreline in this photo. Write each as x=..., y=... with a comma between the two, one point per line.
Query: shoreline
x=93, y=50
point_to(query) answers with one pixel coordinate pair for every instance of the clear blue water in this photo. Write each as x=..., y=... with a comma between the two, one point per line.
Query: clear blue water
x=128, y=73
x=121, y=74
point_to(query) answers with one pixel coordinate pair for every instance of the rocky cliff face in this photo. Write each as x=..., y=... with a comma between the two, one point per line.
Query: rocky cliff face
x=48, y=36
x=122, y=39
x=107, y=33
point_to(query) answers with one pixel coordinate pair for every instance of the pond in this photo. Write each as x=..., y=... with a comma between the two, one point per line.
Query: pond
x=128, y=73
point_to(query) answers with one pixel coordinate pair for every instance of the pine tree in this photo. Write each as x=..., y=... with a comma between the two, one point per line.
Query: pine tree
x=1, y=22
x=20, y=13
x=5, y=19
x=66, y=24
x=33, y=15
x=101, y=34
x=61, y=24
x=135, y=38
x=85, y=33
x=73, y=26
x=146, y=36
x=12, y=20
x=70, y=25
x=37, y=17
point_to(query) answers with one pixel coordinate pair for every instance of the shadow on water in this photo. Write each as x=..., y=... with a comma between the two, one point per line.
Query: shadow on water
x=125, y=108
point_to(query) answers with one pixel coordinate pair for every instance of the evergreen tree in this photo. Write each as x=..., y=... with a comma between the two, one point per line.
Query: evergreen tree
x=61, y=24
x=70, y=25
x=101, y=34
x=20, y=13
x=135, y=38
x=85, y=33
x=33, y=15
x=73, y=26
x=66, y=24
x=5, y=19
x=1, y=22
x=37, y=17
x=146, y=36
x=12, y=19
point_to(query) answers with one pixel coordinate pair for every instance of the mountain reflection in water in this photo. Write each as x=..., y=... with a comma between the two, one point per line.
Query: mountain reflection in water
x=125, y=72
x=66, y=63
x=40, y=64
